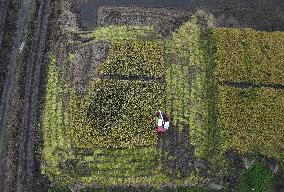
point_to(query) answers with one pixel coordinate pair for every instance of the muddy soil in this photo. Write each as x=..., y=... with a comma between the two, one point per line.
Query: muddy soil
x=165, y=20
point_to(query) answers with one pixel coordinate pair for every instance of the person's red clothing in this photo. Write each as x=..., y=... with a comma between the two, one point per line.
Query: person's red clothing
x=161, y=129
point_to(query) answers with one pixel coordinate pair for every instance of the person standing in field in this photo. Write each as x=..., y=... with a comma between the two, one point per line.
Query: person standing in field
x=163, y=122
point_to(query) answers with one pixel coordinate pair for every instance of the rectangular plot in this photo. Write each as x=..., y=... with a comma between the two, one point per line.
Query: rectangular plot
x=252, y=119
x=117, y=114
x=245, y=55
x=134, y=58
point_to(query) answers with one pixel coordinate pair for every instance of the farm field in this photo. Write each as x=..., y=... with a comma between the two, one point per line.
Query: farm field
x=107, y=133
x=250, y=98
x=81, y=82
x=181, y=75
x=250, y=90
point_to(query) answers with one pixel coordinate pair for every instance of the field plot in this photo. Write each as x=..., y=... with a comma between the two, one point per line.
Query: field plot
x=128, y=59
x=249, y=69
x=78, y=107
x=249, y=56
x=189, y=85
x=107, y=134
x=252, y=119
x=117, y=114
x=183, y=60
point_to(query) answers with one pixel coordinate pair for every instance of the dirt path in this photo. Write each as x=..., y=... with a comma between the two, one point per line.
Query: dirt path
x=3, y=14
x=26, y=168
x=10, y=85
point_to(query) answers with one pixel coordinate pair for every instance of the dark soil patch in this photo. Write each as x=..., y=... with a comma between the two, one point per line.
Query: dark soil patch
x=252, y=85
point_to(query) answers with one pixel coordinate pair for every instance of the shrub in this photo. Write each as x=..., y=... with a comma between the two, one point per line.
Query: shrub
x=257, y=178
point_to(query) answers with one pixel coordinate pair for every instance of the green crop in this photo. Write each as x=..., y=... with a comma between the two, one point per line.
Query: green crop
x=183, y=54
x=116, y=114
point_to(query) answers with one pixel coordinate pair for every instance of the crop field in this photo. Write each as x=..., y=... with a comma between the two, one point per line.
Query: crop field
x=249, y=56
x=104, y=132
x=252, y=119
x=249, y=71
x=107, y=135
x=78, y=103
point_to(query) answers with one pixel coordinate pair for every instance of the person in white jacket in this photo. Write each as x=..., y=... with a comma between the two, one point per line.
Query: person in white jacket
x=163, y=122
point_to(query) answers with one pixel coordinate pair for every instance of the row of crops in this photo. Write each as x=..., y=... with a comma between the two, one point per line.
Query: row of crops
x=250, y=118
x=179, y=77
x=108, y=136
x=188, y=84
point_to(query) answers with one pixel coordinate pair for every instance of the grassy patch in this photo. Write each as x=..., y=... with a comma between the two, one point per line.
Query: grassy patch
x=118, y=33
